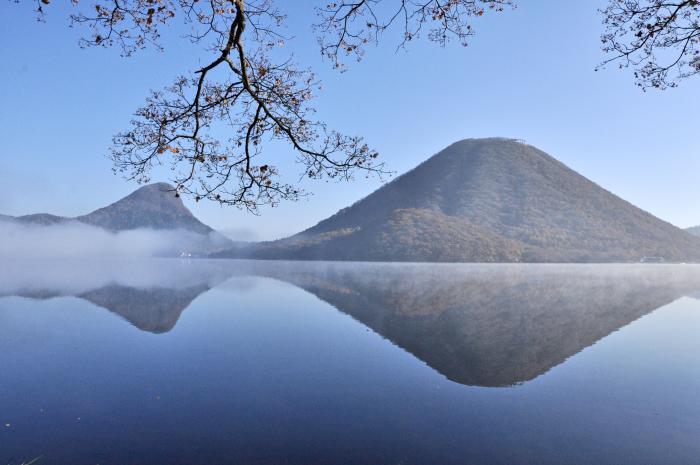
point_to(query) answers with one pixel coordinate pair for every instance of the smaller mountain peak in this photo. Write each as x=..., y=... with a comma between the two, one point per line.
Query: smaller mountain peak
x=157, y=192
x=154, y=206
x=160, y=186
x=155, y=188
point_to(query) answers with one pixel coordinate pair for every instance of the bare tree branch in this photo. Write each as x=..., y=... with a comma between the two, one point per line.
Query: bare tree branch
x=345, y=28
x=659, y=39
x=255, y=98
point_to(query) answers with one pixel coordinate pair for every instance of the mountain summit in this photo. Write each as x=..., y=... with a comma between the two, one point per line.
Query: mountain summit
x=488, y=200
x=154, y=206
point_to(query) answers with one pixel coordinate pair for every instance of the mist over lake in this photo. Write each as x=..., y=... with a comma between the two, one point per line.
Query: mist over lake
x=167, y=361
x=435, y=232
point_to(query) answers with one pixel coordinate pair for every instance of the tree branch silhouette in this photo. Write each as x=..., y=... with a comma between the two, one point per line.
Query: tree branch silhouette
x=247, y=92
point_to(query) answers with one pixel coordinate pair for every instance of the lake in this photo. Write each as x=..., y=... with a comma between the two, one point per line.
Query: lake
x=242, y=362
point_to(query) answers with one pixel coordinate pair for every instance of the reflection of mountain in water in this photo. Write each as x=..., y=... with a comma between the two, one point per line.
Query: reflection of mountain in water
x=156, y=310
x=486, y=325
x=494, y=325
x=151, y=294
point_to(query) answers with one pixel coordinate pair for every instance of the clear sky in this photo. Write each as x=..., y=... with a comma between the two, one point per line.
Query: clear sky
x=528, y=74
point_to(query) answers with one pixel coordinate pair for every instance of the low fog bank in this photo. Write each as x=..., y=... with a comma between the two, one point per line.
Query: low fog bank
x=421, y=284
x=78, y=240
x=75, y=275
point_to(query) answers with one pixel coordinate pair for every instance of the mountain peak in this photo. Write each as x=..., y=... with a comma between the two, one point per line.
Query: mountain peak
x=153, y=206
x=159, y=194
x=156, y=187
x=472, y=146
x=492, y=199
x=485, y=141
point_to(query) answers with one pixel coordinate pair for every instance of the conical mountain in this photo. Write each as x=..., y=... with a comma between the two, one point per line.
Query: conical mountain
x=153, y=206
x=489, y=200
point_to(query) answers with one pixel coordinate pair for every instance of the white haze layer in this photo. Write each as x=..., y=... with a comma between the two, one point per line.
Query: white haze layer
x=79, y=240
x=73, y=276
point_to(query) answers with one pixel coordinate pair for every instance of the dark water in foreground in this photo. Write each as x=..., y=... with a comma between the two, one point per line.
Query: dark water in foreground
x=226, y=362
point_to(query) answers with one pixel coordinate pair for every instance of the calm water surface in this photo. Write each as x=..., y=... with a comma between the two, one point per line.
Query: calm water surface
x=226, y=362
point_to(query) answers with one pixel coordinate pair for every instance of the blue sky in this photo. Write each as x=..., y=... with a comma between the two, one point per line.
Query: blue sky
x=528, y=74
